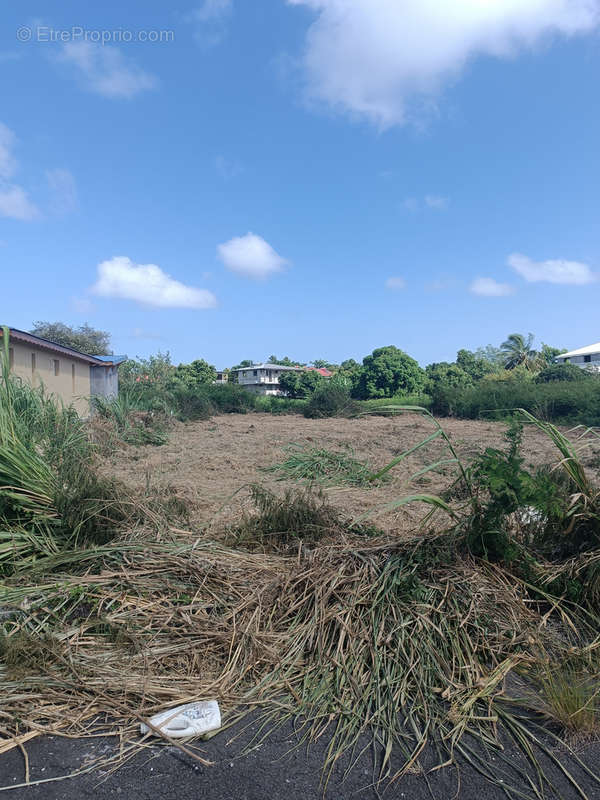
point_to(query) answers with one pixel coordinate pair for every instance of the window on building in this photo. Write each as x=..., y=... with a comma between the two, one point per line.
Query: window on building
x=255, y=372
x=73, y=378
x=587, y=359
x=56, y=366
x=33, y=365
x=11, y=357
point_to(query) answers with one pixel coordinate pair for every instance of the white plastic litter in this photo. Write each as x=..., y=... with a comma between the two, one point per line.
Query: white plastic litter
x=191, y=719
x=529, y=515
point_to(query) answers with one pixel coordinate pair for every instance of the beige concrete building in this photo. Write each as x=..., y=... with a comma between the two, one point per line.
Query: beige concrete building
x=64, y=372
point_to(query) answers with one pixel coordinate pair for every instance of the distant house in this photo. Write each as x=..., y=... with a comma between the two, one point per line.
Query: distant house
x=73, y=376
x=325, y=373
x=586, y=357
x=222, y=376
x=263, y=378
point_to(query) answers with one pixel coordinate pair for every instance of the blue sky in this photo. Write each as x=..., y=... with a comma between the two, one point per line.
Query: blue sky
x=312, y=178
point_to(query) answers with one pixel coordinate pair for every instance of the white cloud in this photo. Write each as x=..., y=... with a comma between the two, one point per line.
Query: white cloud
x=14, y=201
x=250, y=256
x=213, y=9
x=436, y=201
x=395, y=283
x=63, y=190
x=105, y=70
x=488, y=287
x=373, y=58
x=210, y=21
x=552, y=271
x=8, y=164
x=146, y=283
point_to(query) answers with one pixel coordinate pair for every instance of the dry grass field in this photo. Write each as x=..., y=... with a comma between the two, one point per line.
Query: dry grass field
x=210, y=464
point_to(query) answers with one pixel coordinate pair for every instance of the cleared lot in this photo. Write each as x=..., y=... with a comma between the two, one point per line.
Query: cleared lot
x=210, y=464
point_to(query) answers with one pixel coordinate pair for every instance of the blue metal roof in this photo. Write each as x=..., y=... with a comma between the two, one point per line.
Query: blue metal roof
x=112, y=359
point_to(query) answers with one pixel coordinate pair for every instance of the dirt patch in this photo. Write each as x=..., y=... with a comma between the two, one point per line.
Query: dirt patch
x=211, y=463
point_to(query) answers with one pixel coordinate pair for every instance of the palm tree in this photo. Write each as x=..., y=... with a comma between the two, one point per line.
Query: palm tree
x=518, y=350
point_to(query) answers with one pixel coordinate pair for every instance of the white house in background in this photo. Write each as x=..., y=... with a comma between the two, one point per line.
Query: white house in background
x=585, y=357
x=263, y=378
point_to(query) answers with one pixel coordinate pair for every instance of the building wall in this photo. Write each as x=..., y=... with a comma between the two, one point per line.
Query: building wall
x=250, y=376
x=104, y=381
x=581, y=361
x=263, y=388
x=71, y=384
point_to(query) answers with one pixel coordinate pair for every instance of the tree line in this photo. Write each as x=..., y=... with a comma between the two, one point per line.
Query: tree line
x=386, y=372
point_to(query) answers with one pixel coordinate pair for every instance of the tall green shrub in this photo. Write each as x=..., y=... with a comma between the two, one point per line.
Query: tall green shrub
x=389, y=371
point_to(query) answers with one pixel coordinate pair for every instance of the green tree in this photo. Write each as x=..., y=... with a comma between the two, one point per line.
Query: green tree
x=563, y=372
x=493, y=355
x=150, y=379
x=84, y=338
x=198, y=373
x=349, y=373
x=447, y=376
x=284, y=362
x=518, y=351
x=548, y=354
x=322, y=363
x=474, y=364
x=389, y=371
x=300, y=384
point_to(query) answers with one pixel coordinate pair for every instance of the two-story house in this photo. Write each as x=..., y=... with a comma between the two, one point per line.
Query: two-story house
x=263, y=378
x=585, y=357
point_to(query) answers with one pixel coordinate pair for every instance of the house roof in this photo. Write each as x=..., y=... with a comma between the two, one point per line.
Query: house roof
x=321, y=370
x=111, y=359
x=45, y=344
x=266, y=366
x=582, y=351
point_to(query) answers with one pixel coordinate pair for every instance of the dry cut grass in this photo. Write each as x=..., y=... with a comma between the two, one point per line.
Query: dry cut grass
x=209, y=462
x=408, y=639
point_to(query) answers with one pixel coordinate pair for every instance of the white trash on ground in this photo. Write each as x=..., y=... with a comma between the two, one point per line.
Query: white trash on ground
x=191, y=719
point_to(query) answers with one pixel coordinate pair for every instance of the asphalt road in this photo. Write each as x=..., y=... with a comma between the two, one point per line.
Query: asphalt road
x=275, y=770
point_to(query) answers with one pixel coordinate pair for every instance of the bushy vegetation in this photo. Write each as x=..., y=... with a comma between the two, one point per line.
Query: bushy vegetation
x=273, y=404
x=492, y=382
x=300, y=384
x=562, y=372
x=186, y=392
x=332, y=399
x=384, y=406
x=276, y=523
x=129, y=423
x=558, y=401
